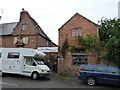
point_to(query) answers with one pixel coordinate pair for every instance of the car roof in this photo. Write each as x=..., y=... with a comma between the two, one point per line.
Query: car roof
x=96, y=65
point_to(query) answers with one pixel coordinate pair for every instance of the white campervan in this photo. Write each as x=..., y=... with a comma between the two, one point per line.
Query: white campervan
x=24, y=61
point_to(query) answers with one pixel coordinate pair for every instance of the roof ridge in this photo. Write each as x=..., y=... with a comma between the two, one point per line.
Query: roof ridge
x=73, y=17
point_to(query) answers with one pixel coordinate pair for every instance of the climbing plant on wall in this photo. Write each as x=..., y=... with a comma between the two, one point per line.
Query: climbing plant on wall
x=64, y=47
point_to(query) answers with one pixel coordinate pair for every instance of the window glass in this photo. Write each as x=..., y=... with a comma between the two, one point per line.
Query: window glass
x=88, y=68
x=23, y=27
x=113, y=70
x=39, y=61
x=80, y=32
x=13, y=55
x=101, y=69
x=73, y=32
x=79, y=59
x=76, y=32
x=0, y=55
x=30, y=61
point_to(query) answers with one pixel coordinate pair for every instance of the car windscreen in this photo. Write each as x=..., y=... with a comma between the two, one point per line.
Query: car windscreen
x=39, y=62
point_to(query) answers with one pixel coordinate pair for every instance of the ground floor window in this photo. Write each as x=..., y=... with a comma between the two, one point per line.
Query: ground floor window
x=79, y=59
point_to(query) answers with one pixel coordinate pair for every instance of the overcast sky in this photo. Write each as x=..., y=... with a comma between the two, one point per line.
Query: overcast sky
x=52, y=14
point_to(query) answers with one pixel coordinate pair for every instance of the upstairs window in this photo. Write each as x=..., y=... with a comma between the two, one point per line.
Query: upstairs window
x=76, y=32
x=23, y=27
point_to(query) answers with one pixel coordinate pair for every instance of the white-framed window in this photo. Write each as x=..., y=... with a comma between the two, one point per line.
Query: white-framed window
x=23, y=27
x=76, y=32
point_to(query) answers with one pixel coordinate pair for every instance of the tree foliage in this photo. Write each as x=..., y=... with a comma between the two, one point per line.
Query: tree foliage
x=91, y=43
x=110, y=39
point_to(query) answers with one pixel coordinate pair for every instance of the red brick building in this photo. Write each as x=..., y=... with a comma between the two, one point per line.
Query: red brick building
x=26, y=33
x=76, y=25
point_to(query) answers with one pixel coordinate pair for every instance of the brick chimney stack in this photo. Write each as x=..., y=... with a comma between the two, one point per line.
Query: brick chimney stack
x=23, y=13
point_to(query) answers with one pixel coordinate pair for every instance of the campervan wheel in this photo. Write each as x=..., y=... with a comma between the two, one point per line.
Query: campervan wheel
x=35, y=75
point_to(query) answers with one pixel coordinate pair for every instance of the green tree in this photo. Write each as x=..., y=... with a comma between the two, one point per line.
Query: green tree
x=110, y=39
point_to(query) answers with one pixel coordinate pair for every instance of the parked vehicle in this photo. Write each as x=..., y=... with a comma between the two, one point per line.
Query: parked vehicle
x=104, y=74
x=0, y=61
x=24, y=61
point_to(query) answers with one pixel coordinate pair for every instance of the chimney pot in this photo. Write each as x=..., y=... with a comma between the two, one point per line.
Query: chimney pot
x=22, y=9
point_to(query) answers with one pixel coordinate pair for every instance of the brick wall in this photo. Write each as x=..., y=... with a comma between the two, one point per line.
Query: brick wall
x=76, y=22
x=31, y=32
x=88, y=27
x=30, y=26
x=42, y=42
x=8, y=41
x=66, y=66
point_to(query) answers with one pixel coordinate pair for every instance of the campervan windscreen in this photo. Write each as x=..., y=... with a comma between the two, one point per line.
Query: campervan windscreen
x=39, y=62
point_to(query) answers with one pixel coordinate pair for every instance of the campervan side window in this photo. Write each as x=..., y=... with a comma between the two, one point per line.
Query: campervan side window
x=13, y=55
x=0, y=55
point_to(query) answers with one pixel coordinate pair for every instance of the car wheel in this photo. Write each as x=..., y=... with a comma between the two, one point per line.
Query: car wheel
x=91, y=81
x=35, y=75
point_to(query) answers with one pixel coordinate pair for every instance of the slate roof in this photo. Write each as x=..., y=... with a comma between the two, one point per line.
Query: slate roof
x=7, y=28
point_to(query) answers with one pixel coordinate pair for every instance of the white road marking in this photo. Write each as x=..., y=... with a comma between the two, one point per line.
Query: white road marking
x=9, y=84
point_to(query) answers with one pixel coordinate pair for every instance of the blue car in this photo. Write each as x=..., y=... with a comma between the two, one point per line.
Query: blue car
x=102, y=74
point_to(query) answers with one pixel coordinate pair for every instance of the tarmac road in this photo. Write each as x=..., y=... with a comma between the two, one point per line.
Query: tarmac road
x=56, y=81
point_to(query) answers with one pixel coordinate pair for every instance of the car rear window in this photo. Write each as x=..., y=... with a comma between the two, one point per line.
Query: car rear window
x=88, y=68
